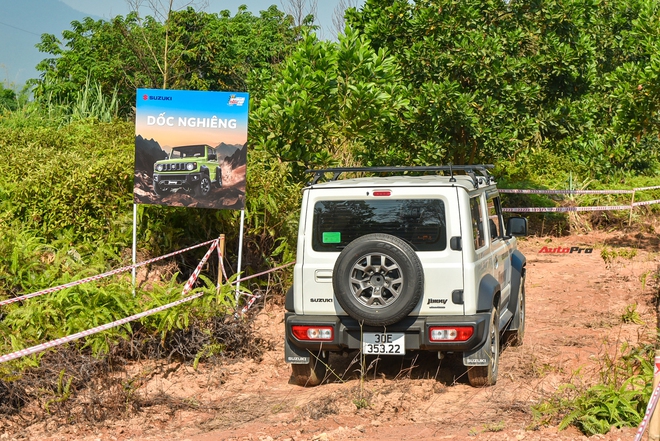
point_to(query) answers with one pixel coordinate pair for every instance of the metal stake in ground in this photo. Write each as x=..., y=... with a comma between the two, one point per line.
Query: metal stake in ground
x=221, y=259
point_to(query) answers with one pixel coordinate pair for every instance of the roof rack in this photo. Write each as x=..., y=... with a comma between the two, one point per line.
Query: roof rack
x=469, y=170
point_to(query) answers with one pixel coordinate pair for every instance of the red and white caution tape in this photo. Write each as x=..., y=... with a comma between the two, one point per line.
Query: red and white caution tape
x=101, y=276
x=222, y=264
x=564, y=209
x=649, y=411
x=543, y=191
x=258, y=274
x=538, y=191
x=186, y=289
x=61, y=341
x=254, y=297
x=195, y=274
x=647, y=188
x=572, y=209
x=101, y=328
x=243, y=279
x=637, y=204
x=249, y=304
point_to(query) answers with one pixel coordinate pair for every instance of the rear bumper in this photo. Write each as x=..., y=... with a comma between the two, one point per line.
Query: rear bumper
x=346, y=333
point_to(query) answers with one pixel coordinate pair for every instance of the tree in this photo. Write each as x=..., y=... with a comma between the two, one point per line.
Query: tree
x=192, y=50
x=338, y=21
x=494, y=79
x=475, y=81
x=162, y=10
x=8, y=99
x=303, y=12
x=332, y=102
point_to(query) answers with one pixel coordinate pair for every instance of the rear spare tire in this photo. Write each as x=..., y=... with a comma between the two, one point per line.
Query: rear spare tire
x=378, y=279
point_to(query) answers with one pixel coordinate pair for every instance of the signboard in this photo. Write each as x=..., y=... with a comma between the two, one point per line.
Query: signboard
x=191, y=148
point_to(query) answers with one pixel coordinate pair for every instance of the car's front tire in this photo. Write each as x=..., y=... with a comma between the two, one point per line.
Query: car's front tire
x=204, y=186
x=159, y=191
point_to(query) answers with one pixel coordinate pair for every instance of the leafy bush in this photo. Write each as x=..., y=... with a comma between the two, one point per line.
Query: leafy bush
x=618, y=401
x=35, y=266
x=77, y=177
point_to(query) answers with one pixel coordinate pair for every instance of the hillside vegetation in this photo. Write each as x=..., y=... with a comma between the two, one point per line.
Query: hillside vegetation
x=556, y=93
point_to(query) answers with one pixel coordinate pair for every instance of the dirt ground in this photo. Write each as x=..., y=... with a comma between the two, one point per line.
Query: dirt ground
x=575, y=304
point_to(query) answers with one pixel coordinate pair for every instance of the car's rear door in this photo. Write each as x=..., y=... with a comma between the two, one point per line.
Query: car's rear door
x=417, y=214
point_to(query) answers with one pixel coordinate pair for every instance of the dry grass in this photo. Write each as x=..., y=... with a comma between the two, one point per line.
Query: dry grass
x=71, y=386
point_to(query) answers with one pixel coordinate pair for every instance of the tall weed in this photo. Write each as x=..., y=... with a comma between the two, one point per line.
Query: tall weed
x=89, y=103
x=619, y=400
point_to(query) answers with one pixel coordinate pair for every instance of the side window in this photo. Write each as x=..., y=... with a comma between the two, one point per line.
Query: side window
x=477, y=222
x=494, y=217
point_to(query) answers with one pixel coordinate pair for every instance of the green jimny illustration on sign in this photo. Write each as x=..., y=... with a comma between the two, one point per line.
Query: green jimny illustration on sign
x=193, y=168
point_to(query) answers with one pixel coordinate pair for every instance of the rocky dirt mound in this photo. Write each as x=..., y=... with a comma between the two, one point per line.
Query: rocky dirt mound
x=230, y=196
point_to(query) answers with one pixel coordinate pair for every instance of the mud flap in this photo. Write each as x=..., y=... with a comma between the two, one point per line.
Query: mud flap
x=477, y=357
x=294, y=354
x=518, y=271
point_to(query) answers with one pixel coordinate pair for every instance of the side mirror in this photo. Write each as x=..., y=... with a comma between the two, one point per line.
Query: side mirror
x=516, y=226
x=213, y=157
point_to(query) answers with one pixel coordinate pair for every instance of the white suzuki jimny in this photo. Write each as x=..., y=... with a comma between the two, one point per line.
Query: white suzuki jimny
x=395, y=263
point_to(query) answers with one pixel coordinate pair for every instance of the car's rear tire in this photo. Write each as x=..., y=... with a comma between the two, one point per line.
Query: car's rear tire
x=378, y=279
x=312, y=373
x=204, y=187
x=218, y=177
x=515, y=337
x=480, y=376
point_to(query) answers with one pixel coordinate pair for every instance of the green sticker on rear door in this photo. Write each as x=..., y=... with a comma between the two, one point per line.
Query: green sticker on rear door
x=331, y=237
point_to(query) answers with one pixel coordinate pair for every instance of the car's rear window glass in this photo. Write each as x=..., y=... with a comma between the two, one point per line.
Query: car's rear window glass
x=420, y=222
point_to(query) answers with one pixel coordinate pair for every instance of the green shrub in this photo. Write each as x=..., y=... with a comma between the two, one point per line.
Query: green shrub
x=619, y=400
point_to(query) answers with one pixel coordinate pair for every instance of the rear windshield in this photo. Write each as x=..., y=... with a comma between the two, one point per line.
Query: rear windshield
x=420, y=222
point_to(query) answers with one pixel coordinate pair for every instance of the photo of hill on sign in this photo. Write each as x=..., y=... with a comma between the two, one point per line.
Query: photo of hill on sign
x=191, y=148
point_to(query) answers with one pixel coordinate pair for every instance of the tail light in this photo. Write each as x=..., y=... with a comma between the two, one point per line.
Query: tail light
x=450, y=333
x=314, y=333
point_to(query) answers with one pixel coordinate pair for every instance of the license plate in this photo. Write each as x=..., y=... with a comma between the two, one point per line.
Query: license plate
x=386, y=344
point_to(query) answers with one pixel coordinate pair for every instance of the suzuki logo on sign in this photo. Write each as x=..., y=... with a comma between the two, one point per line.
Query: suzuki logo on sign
x=146, y=97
